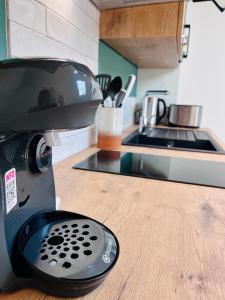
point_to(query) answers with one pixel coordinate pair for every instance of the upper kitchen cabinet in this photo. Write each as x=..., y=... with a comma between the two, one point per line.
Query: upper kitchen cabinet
x=148, y=35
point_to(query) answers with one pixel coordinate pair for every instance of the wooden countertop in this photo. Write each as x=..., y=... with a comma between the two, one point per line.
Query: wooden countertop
x=172, y=235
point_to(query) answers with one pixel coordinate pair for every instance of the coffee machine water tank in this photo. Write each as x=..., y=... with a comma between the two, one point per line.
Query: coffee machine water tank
x=46, y=94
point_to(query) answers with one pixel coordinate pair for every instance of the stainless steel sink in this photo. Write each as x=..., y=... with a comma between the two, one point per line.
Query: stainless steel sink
x=192, y=140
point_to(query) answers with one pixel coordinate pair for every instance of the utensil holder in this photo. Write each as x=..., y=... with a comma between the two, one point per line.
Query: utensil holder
x=110, y=126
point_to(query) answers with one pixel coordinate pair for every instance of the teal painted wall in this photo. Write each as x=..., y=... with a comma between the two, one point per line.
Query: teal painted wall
x=110, y=62
x=3, y=39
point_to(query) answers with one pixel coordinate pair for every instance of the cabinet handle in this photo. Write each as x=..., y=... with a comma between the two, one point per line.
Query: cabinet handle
x=186, y=40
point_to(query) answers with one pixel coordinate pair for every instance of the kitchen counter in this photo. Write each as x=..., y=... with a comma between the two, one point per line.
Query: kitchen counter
x=172, y=235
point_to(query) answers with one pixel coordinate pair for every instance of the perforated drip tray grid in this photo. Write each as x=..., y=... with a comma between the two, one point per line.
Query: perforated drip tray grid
x=73, y=248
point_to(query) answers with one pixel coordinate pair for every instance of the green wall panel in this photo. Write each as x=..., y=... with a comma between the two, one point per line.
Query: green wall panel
x=110, y=62
x=3, y=39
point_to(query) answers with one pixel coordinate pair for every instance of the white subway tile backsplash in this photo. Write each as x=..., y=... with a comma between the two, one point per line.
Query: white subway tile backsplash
x=28, y=13
x=92, y=49
x=74, y=144
x=64, y=32
x=68, y=133
x=89, y=9
x=27, y=43
x=72, y=13
x=78, y=57
x=92, y=29
x=128, y=111
x=62, y=7
x=78, y=18
x=92, y=64
x=92, y=11
x=82, y=4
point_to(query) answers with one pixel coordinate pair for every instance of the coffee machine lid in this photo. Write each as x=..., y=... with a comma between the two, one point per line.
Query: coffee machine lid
x=41, y=94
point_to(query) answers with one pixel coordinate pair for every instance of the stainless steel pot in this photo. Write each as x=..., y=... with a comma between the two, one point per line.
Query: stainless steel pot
x=185, y=115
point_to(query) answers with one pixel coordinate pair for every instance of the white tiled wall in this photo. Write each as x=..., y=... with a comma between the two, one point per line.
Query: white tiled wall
x=202, y=74
x=158, y=79
x=57, y=28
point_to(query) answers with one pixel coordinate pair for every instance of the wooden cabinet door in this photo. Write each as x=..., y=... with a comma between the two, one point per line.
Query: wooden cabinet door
x=148, y=35
x=155, y=20
x=140, y=21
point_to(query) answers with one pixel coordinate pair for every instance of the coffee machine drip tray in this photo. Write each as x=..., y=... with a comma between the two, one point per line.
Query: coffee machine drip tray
x=176, y=169
x=69, y=253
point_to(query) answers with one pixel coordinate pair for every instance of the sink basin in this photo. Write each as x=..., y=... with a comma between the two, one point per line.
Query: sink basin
x=172, y=139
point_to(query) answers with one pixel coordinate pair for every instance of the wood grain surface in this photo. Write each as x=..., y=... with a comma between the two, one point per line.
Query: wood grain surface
x=172, y=236
x=147, y=35
x=153, y=20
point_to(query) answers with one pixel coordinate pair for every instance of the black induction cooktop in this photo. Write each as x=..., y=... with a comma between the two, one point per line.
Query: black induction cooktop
x=176, y=169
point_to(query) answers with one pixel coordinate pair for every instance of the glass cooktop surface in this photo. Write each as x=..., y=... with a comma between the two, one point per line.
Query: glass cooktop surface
x=176, y=169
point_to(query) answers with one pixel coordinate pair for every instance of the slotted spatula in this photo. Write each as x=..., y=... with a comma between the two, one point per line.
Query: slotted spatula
x=104, y=80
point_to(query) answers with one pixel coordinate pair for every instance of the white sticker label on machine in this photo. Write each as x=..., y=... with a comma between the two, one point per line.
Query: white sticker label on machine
x=10, y=189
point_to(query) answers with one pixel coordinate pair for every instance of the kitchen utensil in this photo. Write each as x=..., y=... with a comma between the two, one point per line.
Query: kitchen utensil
x=37, y=242
x=185, y=115
x=124, y=93
x=120, y=97
x=104, y=81
x=114, y=88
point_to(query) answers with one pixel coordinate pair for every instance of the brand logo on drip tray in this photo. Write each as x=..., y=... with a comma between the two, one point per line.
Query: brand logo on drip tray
x=106, y=255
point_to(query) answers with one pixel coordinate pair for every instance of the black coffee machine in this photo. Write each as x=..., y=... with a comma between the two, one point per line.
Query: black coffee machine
x=58, y=252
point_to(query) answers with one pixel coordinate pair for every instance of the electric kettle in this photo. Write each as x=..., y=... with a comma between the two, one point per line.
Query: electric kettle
x=151, y=115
